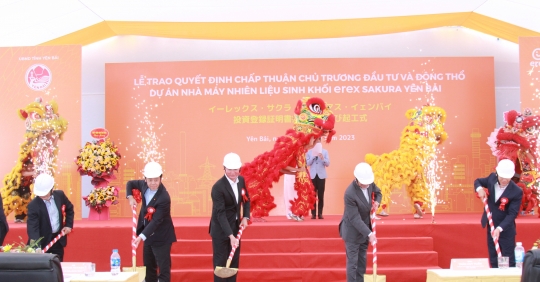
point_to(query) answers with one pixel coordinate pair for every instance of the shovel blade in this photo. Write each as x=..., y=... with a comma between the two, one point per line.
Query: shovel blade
x=225, y=272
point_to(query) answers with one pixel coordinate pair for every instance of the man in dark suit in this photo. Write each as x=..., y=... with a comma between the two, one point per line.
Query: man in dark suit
x=4, y=227
x=155, y=226
x=49, y=214
x=504, y=201
x=361, y=197
x=229, y=194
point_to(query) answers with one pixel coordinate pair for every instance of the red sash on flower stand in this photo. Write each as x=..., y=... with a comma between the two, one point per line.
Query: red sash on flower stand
x=94, y=215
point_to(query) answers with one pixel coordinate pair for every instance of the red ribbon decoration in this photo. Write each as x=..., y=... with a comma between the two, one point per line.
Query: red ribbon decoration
x=504, y=201
x=149, y=213
x=64, y=215
x=136, y=195
x=244, y=197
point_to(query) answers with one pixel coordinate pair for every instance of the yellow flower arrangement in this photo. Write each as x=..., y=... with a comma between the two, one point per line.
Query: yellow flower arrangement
x=98, y=159
x=102, y=197
x=33, y=247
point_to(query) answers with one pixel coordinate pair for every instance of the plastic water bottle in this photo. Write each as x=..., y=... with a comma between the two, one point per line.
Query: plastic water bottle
x=519, y=252
x=115, y=262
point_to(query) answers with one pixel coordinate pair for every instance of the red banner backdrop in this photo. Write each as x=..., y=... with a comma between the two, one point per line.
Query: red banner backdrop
x=190, y=114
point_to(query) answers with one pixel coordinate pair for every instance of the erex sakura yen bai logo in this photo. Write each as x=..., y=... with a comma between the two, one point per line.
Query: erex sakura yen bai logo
x=38, y=77
x=536, y=57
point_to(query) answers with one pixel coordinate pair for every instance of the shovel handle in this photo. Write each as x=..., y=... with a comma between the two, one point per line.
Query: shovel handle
x=54, y=240
x=231, y=255
x=491, y=226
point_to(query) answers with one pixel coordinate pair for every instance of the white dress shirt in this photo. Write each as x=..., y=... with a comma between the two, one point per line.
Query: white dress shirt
x=53, y=214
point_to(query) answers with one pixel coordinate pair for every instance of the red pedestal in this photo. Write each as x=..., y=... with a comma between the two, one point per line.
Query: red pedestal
x=94, y=215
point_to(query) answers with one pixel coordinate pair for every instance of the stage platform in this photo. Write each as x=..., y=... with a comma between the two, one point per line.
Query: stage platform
x=286, y=250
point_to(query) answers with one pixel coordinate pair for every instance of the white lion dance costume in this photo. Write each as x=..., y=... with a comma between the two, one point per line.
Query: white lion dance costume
x=407, y=165
x=37, y=154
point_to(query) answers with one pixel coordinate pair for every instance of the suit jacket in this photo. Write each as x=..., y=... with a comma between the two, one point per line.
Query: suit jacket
x=355, y=224
x=316, y=165
x=225, y=209
x=503, y=218
x=38, y=223
x=160, y=229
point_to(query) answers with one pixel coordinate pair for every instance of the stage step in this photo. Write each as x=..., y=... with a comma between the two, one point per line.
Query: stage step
x=305, y=251
x=317, y=274
x=306, y=260
x=304, y=245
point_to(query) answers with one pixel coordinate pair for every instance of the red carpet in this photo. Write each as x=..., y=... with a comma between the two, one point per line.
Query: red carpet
x=283, y=250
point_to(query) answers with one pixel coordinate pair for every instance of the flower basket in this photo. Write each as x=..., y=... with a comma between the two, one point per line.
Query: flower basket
x=99, y=159
x=100, y=199
x=102, y=215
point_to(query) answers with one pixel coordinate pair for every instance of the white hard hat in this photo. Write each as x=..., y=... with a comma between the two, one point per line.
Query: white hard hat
x=505, y=168
x=152, y=170
x=232, y=161
x=43, y=184
x=364, y=173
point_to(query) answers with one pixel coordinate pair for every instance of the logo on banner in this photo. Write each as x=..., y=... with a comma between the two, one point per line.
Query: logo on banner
x=38, y=77
x=536, y=54
x=536, y=57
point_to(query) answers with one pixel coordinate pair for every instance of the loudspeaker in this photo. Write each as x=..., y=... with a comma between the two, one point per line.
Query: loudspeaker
x=23, y=267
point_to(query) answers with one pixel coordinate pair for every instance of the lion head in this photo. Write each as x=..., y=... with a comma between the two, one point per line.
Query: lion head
x=428, y=121
x=313, y=117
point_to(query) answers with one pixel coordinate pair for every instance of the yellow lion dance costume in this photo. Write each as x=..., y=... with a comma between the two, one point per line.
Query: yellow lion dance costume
x=44, y=127
x=407, y=165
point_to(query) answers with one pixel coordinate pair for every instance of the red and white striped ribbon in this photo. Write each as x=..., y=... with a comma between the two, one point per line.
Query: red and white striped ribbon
x=231, y=255
x=374, y=231
x=492, y=227
x=134, y=231
x=54, y=241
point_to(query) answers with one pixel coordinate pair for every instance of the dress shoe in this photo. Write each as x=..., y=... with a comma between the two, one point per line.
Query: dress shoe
x=313, y=217
x=321, y=217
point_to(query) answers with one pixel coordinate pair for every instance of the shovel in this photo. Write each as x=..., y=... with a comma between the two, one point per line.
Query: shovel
x=226, y=272
x=54, y=240
x=367, y=277
x=141, y=269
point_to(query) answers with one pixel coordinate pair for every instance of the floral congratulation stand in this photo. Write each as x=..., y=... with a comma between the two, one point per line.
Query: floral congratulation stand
x=99, y=159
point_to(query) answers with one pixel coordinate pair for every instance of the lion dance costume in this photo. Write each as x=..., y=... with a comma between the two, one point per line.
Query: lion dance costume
x=312, y=120
x=407, y=165
x=517, y=141
x=37, y=154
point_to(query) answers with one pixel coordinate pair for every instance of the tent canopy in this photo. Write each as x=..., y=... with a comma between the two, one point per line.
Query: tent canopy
x=59, y=22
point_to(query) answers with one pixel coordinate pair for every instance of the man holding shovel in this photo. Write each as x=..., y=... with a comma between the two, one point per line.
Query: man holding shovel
x=155, y=226
x=229, y=195
x=355, y=226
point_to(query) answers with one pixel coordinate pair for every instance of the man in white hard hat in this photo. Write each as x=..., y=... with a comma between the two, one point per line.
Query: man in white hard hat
x=230, y=210
x=361, y=198
x=154, y=226
x=50, y=213
x=504, y=201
